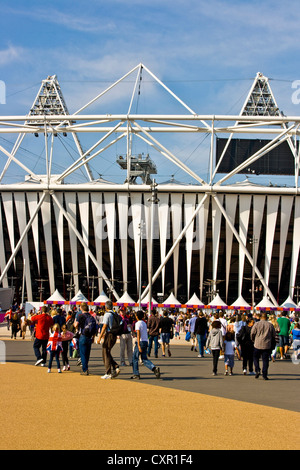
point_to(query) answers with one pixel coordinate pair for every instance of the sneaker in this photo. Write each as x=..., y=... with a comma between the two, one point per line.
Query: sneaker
x=49, y=370
x=64, y=368
x=252, y=373
x=115, y=373
x=38, y=362
x=245, y=372
x=106, y=376
x=226, y=372
x=199, y=355
x=59, y=371
x=134, y=377
x=68, y=368
x=156, y=371
x=84, y=373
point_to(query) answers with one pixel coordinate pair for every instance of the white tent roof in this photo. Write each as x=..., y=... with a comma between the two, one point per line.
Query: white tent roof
x=56, y=297
x=102, y=298
x=171, y=300
x=194, y=300
x=125, y=299
x=79, y=297
x=289, y=303
x=145, y=301
x=265, y=303
x=240, y=302
x=217, y=302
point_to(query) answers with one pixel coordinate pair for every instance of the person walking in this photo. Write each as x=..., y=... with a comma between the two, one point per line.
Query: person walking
x=230, y=347
x=112, y=369
x=15, y=325
x=215, y=342
x=263, y=335
x=66, y=337
x=201, y=328
x=86, y=325
x=247, y=348
x=284, y=325
x=126, y=339
x=43, y=322
x=59, y=318
x=140, y=348
x=273, y=320
x=54, y=347
x=165, y=329
x=153, y=332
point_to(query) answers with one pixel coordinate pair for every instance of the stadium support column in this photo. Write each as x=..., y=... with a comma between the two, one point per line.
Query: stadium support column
x=80, y=238
x=154, y=201
x=179, y=238
x=215, y=196
x=19, y=244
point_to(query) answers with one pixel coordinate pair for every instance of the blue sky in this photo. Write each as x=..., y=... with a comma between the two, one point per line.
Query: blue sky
x=208, y=53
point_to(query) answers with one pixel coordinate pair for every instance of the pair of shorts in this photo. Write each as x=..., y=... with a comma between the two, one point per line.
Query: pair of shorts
x=165, y=338
x=283, y=341
x=229, y=360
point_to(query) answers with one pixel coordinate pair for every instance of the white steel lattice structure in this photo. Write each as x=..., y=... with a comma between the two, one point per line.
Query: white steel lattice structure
x=192, y=232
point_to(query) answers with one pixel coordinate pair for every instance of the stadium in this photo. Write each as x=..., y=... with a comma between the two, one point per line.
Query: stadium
x=225, y=239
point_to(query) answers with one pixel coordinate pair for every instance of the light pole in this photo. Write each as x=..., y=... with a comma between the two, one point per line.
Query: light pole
x=153, y=201
x=253, y=241
x=141, y=227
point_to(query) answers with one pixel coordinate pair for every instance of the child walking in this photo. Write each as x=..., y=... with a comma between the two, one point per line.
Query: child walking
x=54, y=347
x=230, y=348
x=66, y=337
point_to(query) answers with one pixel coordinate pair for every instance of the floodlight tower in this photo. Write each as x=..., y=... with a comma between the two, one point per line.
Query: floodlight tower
x=49, y=101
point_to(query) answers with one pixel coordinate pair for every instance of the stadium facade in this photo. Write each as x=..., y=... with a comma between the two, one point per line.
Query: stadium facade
x=236, y=239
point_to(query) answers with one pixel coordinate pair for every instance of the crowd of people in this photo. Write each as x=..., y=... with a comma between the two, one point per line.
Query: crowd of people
x=245, y=337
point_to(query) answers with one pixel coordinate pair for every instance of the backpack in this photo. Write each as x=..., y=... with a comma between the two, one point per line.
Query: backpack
x=118, y=325
x=90, y=326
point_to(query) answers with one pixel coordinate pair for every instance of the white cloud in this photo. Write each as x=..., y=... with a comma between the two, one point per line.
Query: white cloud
x=11, y=54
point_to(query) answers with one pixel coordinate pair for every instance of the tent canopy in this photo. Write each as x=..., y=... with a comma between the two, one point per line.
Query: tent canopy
x=265, y=303
x=56, y=297
x=101, y=299
x=79, y=297
x=194, y=302
x=126, y=300
x=171, y=301
x=240, y=304
x=217, y=302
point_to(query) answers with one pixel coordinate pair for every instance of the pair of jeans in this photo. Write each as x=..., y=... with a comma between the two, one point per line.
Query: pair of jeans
x=264, y=354
x=85, y=345
x=135, y=358
x=151, y=340
x=216, y=355
x=126, y=344
x=37, y=345
x=54, y=354
x=247, y=355
x=201, y=343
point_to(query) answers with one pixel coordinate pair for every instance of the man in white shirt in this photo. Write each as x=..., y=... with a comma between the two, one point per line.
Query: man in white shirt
x=140, y=348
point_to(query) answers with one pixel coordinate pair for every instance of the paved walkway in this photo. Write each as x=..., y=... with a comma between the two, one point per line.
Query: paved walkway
x=187, y=409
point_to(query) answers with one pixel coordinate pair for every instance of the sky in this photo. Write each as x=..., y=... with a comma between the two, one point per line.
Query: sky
x=207, y=53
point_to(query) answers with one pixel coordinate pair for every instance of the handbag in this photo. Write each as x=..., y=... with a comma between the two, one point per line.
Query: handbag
x=188, y=336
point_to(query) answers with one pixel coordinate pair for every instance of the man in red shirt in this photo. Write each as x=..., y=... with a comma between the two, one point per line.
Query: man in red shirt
x=43, y=324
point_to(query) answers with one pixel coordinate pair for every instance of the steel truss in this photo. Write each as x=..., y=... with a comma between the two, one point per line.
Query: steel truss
x=111, y=128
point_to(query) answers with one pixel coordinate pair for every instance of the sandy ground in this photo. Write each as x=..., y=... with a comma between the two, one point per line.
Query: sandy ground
x=68, y=411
